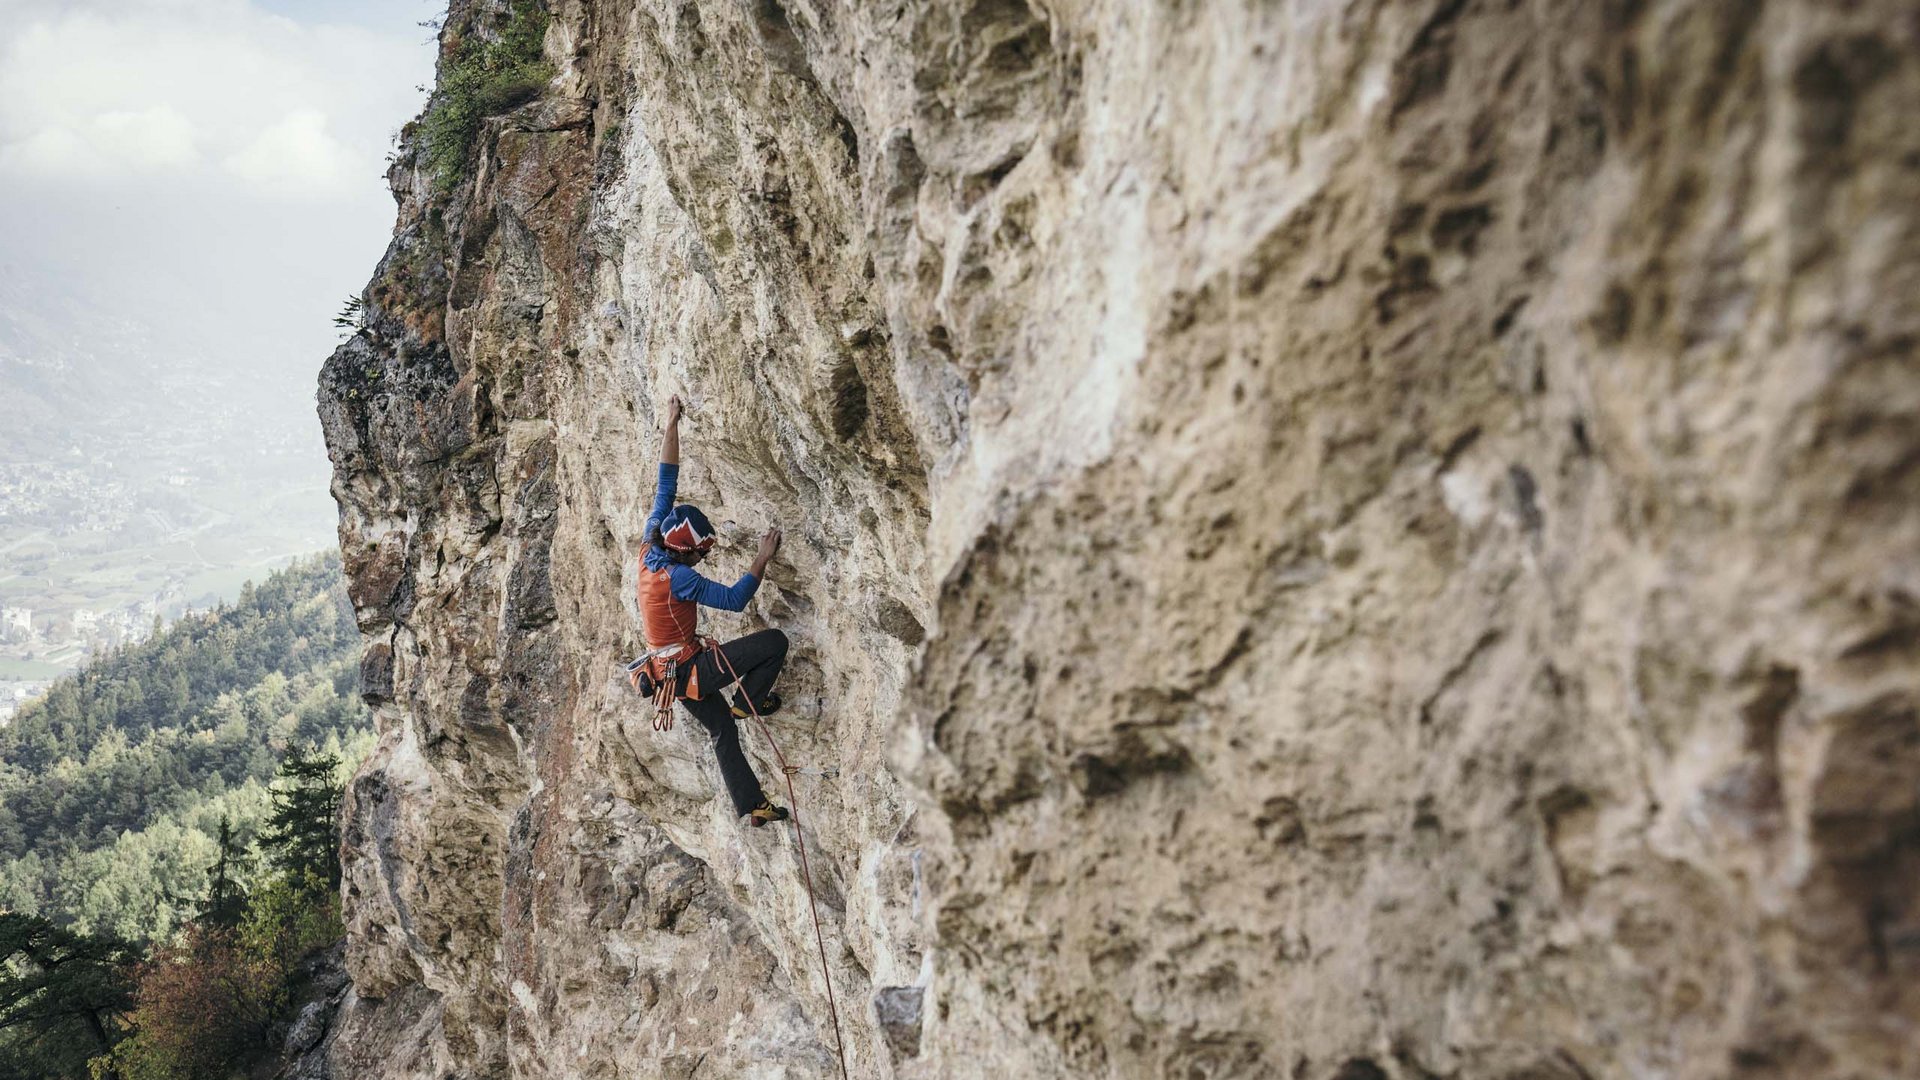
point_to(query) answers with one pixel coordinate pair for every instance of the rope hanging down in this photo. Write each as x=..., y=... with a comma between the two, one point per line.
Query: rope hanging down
x=800, y=841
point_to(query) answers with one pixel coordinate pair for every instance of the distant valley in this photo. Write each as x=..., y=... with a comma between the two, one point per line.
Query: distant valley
x=141, y=475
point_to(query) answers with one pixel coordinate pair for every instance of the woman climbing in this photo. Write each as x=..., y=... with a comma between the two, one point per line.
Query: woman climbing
x=676, y=539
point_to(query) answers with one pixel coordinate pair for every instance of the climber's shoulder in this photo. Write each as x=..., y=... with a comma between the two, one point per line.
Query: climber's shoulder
x=685, y=580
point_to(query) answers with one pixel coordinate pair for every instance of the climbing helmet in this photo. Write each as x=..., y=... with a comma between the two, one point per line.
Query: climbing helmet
x=686, y=529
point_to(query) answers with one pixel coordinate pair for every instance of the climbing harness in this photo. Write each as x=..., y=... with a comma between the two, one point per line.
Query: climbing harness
x=656, y=674
x=800, y=842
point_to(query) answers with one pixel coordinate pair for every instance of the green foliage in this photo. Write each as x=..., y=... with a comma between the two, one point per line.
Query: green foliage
x=140, y=887
x=112, y=791
x=61, y=995
x=202, y=1007
x=134, y=806
x=289, y=917
x=226, y=896
x=484, y=74
x=302, y=833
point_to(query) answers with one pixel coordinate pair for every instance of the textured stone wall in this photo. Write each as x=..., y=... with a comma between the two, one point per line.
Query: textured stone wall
x=1324, y=539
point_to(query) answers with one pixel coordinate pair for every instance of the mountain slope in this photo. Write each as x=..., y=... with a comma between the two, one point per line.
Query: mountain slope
x=113, y=785
x=137, y=466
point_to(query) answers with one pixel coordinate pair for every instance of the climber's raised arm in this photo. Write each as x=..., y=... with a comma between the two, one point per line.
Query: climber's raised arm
x=669, y=480
x=670, y=452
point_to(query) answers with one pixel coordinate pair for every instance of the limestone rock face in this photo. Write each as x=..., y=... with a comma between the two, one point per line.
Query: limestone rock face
x=1323, y=540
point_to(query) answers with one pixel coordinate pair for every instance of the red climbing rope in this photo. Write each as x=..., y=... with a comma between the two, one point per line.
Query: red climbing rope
x=800, y=840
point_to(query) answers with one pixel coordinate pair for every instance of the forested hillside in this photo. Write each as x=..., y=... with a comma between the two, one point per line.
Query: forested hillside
x=113, y=787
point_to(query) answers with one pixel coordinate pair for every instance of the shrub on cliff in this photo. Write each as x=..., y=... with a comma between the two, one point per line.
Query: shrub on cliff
x=483, y=76
x=202, y=1006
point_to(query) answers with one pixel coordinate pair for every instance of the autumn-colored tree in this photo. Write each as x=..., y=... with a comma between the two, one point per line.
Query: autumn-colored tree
x=202, y=1005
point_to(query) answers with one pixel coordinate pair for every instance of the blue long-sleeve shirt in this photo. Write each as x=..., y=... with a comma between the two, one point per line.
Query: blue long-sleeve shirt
x=688, y=583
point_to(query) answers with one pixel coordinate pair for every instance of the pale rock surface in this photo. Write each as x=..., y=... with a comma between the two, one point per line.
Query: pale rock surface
x=1324, y=540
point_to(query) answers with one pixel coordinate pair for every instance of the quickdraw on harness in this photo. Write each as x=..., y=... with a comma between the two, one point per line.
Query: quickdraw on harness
x=656, y=675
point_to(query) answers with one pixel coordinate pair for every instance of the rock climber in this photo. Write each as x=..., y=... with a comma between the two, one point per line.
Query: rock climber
x=675, y=540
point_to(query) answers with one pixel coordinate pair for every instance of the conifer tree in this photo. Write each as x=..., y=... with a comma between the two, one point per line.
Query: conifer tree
x=302, y=831
x=226, y=900
x=65, y=991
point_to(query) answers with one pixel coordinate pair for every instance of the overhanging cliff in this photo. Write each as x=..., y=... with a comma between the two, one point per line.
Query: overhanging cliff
x=1323, y=540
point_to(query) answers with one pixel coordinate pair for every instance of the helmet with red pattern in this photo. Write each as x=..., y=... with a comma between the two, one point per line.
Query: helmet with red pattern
x=686, y=530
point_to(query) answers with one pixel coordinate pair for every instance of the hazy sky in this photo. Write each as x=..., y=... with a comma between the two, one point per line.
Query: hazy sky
x=212, y=167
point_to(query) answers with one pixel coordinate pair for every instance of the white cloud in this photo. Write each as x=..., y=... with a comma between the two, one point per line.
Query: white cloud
x=116, y=143
x=296, y=156
x=218, y=90
x=147, y=140
x=49, y=152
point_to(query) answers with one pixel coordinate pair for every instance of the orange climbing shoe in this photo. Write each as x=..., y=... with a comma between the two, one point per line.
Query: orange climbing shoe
x=766, y=813
x=771, y=705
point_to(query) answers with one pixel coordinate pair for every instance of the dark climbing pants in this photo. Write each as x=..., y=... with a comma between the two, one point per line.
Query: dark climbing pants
x=757, y=659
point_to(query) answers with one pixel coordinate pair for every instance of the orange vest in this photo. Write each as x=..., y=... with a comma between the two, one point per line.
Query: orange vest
x=668, y=622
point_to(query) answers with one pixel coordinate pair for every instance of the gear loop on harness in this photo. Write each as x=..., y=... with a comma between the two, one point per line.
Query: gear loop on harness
x=658, y=679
